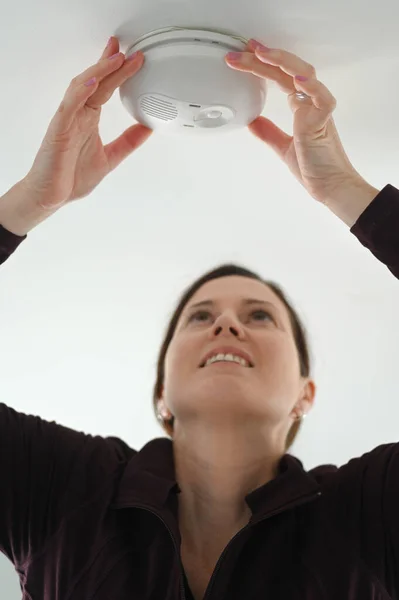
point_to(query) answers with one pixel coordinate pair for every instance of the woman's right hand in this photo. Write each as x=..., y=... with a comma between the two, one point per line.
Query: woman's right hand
x=72, y=159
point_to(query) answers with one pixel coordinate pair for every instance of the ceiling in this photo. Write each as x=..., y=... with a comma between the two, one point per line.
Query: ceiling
x=85, y=299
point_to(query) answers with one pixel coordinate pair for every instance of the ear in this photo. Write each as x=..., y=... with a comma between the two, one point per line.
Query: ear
x=161, y=406
x=310, y=394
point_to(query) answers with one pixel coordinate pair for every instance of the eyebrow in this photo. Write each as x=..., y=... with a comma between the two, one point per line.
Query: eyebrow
x=246, y=301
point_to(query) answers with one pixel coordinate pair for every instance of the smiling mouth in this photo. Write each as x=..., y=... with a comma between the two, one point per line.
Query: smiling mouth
x=226, y=362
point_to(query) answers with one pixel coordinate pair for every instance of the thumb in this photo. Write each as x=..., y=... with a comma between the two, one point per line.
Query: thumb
x=268, y=132
x=125, y=144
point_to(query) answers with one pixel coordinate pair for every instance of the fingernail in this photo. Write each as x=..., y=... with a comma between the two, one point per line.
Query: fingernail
x=263, y=48
x=255, y=45
x=301, y=78
x=114, y=56
x=234, y=55
x=132, y=56
x=109, y=42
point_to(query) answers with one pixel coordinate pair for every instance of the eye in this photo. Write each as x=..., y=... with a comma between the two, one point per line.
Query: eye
x=206, y=312
x=262, y=312
x=199, y=312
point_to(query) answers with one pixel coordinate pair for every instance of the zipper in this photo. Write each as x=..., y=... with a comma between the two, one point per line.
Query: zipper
x=304, y=499
x=183, y=593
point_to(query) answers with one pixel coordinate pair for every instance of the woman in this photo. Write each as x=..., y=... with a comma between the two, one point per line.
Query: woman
x=221, y=510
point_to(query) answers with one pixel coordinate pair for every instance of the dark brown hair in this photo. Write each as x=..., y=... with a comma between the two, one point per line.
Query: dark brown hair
x=298, y=329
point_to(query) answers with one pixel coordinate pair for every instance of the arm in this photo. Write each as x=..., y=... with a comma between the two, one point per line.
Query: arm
x=350, y=203
x=19, y=212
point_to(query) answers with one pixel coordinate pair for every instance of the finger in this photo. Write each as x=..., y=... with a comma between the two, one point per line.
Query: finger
x=108, y=86
x=322, y=99
x=111, y=48
x=250, y=63
x=320, y=95
x=268, y=132
x=129, y=141
x=79, y=91
x=250, y=47
x=293, y=65
x=104, y=67
x=286, y=61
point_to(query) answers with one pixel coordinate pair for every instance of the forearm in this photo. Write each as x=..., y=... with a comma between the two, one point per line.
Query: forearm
x=350, y=202
x=19, y=213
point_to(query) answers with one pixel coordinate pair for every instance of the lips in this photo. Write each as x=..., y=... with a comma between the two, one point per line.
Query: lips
x=227, y=350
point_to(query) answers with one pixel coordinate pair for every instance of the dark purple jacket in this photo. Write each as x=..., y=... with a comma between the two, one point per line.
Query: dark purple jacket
x=88, y=518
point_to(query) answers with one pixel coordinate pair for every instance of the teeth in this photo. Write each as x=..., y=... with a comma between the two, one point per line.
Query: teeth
x=227, y=358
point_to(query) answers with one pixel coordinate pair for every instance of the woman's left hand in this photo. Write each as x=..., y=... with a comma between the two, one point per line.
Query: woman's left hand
x=314, y=154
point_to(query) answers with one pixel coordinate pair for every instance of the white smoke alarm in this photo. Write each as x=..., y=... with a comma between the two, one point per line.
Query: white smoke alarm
x=186, y=87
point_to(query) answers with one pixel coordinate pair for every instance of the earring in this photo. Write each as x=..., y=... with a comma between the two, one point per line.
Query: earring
x=300, y=417
x=164, y=415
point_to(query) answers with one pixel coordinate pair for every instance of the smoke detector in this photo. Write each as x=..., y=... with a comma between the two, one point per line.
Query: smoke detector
x=185, y=86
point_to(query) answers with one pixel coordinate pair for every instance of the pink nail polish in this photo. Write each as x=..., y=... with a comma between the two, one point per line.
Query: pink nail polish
x=255, y=45
x=263, y=48
x=234, y=55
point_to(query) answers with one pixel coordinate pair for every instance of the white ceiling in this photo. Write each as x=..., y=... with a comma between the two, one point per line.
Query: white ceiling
x=85, y=299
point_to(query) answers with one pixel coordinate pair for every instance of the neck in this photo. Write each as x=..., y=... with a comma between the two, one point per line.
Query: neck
x=216, y=470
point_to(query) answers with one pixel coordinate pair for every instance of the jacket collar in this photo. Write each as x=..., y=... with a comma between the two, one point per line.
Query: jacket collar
x=149, y=480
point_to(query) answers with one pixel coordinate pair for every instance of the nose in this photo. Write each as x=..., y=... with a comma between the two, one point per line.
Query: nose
x=232, y=329
x=227, y=323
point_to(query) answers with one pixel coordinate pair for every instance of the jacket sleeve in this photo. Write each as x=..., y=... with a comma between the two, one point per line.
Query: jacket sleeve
x=9, y=242
x=367, y=498
x=46, y=471
x=377, y=228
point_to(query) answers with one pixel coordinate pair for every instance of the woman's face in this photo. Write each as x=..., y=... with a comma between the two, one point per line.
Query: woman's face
x=228, y=393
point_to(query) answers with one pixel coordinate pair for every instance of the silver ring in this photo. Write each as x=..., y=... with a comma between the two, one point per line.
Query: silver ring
x=302, y=96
